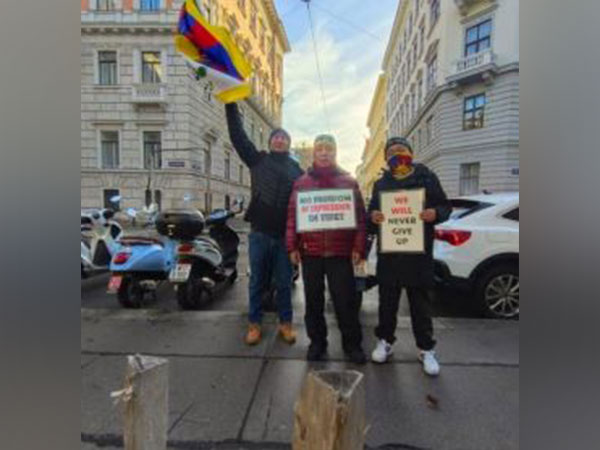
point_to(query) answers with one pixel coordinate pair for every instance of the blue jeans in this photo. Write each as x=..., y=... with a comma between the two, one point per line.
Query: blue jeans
x=268, y=257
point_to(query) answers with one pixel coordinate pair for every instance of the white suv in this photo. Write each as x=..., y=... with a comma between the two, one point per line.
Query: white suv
x=478, y=248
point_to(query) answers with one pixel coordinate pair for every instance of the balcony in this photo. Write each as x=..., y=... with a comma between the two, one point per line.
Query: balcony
x=474, y=68
x=464, y=6
x=149, y=94
x=161, y=18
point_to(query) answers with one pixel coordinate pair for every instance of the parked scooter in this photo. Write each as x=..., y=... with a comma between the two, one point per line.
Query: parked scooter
x=204, y=264
x=99, y=236
x=143, y=260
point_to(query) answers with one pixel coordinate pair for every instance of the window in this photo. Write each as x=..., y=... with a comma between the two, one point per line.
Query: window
x=469, y=178
x=241, y=173
x=434, y=12
x=419, y=93
x=262, y=36
x=414, y=49
x=413, y=103
x=109, y=147
x=253, y=13
x=512, y=215
x=207, y=159
x=417, y=4
x=261, y=137
x=151, y=68
x=209, y=14
x=473, y=112
x=432, y=74
x=149, y=5
x=208, y=202
x=152, y=150
x=105, y=5
x=108, y=194
x=107, y=68
x=157, y=198
x=421, y=38
x=242, y=6
x=227, y=166
x=429, y=130
x=478, y=37
x=410, y=24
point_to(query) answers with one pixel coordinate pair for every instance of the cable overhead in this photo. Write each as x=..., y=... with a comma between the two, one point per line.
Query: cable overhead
x=312, y=32
x=347, y=22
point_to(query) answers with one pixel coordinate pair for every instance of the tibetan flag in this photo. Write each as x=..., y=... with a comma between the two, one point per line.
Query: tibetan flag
x=211, y=51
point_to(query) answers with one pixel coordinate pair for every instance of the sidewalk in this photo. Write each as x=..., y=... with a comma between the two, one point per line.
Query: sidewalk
x=225, y=395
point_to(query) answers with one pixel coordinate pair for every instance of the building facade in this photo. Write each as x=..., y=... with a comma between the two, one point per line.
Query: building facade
x=149, y=130
x=373, y=159
x=303, y=152
x=452, y=70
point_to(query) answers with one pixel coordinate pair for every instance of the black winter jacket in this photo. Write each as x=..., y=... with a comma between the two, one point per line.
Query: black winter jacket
x=272, y=177
x=411, y=270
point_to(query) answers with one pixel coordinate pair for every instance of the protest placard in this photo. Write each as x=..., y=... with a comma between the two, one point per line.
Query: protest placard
x=402, y=229
x=325, y=209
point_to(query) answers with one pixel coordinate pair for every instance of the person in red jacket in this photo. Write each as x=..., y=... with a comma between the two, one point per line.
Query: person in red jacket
x=329, y=253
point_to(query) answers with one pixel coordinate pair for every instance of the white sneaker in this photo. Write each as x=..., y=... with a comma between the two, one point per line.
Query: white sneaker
x=382, y=352
x=430, y=365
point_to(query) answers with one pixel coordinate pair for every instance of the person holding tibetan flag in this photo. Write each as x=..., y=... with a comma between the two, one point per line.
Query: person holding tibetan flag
x=212, y=53
x=411, y=271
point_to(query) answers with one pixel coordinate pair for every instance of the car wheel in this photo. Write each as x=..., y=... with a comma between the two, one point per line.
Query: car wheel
x=497, y=292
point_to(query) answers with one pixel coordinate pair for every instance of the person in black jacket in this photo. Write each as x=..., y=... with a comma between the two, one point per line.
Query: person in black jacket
x=413, y=272
x=272, y=176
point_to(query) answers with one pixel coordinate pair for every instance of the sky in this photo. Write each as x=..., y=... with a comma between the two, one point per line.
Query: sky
x=351, y=38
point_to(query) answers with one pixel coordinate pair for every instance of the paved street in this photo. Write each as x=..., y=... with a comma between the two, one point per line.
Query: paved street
x=224, y=395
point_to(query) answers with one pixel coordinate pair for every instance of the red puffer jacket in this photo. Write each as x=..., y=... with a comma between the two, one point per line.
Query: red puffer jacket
x=329, y=242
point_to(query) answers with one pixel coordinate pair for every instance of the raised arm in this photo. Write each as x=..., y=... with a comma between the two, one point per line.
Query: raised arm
x=239, y=139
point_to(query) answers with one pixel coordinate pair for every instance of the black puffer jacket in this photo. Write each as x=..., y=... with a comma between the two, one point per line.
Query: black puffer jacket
x=272, y=177
x=410, y=269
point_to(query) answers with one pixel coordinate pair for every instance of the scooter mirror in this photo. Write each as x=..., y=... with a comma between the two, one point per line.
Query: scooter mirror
x=108, y=214
x=131, y=212
x=115, y=199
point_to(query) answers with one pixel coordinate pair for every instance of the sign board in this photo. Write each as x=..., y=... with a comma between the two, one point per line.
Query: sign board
x=402, y=230
x=176, y=163
x=325, y=209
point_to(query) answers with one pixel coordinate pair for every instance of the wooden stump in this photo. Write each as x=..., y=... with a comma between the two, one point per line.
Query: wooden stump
x=330, y=412
x=146, y=398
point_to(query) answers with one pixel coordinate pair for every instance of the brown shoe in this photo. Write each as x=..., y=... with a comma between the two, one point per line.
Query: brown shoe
x=253, y=336
x=287, y=333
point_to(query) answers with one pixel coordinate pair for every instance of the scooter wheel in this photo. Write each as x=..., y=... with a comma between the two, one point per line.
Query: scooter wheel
x=130, y=294
x=190, y=297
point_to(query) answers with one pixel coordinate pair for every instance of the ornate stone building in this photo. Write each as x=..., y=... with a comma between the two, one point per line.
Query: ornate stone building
x=149, y=129
x=452, y=71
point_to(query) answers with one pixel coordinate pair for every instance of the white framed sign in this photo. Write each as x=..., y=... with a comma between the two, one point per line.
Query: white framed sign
x=325, y=209
x=402, y=231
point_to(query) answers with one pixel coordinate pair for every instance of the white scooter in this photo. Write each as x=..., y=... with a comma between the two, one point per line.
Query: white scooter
x=99, y=236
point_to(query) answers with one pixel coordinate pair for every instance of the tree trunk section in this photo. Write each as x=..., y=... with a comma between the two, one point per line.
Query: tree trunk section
x=146, y=406
x=330, y=412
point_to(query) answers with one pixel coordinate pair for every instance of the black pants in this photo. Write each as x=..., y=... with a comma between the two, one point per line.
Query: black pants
x=420, y=314
x=340, y=279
